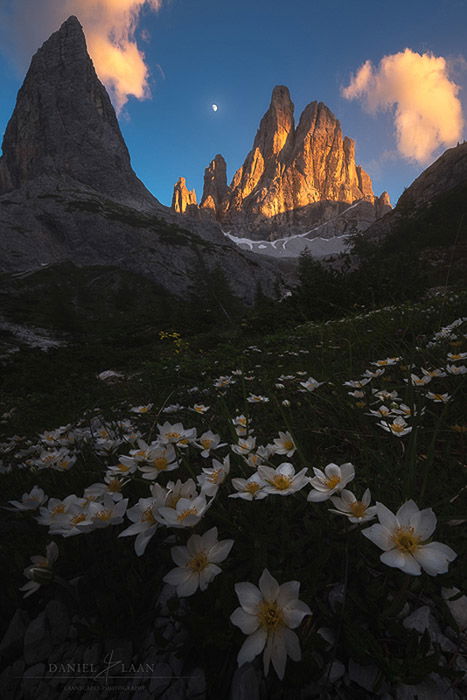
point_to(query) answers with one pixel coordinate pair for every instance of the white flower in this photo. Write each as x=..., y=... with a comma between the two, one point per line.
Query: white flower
x=186, y=513
x=356, y=511
x=177, y=490
x=268, y=615
x=142, y=409
x=103, y=514
x=244, y=446
x=176, y=434
x=211, y=479
x=357, y=383
x=438, y=398
x=455, y=357
x=241, y=425
x=456, y=369
x=434, y=372
x=200, y=408
x=382, y=412
x=249, y=489
x=402, y=537
x=310, y=384
x=159, y=458
x=209, y=441
x=257, y=398
x=418, y=381
x=327, y=483
x=284, y=444
x=40, y=571
x=112, y=485
x=197, y=562
x=398, y=427
x=173, y=408
x=142, y=515
x=387, y=362
x=30, y=501
x=223, y=382
x=283, y=480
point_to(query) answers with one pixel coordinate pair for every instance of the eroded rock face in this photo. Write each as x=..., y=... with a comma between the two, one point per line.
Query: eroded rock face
x=215, y=185
x=182, y=196
x=64, y=125
x=449, y=171
x=293, y=178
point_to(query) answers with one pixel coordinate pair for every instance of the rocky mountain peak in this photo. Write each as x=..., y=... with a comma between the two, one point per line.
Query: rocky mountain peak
x=215, y=184
x=182, y=196
x=293, y=178
x=64, y=125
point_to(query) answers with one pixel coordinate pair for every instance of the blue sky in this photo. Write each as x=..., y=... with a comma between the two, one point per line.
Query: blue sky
x=201, y=52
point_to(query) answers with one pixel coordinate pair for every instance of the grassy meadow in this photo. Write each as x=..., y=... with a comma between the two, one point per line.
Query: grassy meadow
x=193, y=434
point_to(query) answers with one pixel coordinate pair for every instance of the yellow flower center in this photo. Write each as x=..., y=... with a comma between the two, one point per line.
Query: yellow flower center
x=186, y=513
x=103, y=433
x=360, y=404
x=198, y=563
x=270, y=615
x=172, y=500
x=397, y=428
x=173, y=436
x=288, y=445
x=160, y=463
x=206, y=443
x=281, y=482
x=252, y=487
x=406, y=540
x=214, y=476
x=122, y=467
x=104, y=514
x=58, y=509
x=64, y=464
x=78, y=519
x=114, y=486
x=333, y=481
x=148, y=516
x=358, y=509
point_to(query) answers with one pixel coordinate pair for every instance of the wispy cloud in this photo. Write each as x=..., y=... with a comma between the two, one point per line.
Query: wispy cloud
x=427, y=110
x=110, y=27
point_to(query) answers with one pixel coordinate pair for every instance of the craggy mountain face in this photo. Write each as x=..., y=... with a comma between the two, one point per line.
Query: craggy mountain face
x=64, y=126
x=447, y=174
x=293, y=179
x=68, y=191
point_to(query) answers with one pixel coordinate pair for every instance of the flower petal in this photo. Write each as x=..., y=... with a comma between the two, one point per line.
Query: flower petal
x=386, y=517
x=406, y=512
x=279, y=653
x=247, y=623
x=401, y=560
x=292, y=645
x=424, y=523
x=249, y=596
x=380, y=536
x=252, y=646
x=268, y=586
x=435, y=557
x=220, y=550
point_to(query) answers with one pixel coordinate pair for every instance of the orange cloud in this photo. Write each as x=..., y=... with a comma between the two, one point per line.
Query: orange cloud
x=428, y=112
x=110, y=27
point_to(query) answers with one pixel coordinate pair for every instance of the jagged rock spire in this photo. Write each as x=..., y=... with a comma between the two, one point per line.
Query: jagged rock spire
x=215, y=185
x=292, y=177
x=64, y=125
x=182, y=196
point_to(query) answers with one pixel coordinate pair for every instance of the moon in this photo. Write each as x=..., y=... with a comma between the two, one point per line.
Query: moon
x=214, y=108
